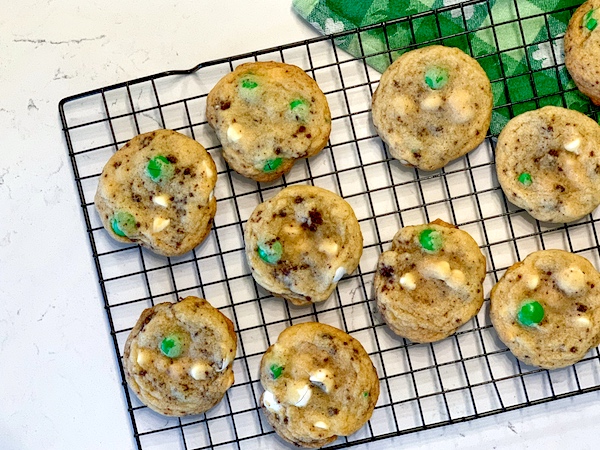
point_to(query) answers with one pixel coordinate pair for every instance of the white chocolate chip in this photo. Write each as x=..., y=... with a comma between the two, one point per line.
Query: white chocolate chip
x=207, y=168
x=461, y=106
x=143, y=358
x=339, y=273
x=583, y=322
x=211, y=196
x=322, y=425
x=432, y=102
x=161, y=200
x=571, y=280
x=456, y=280
x=234, y=133
x=408, y=281
x=403, y=106
x=199, y=371
x=271, y=402
x=573, y=146
x=532, y=282
x=160, y=224
x=323, y=379
x=300, y=396
x=439, y=270
x=329, y=247
x=224, y=364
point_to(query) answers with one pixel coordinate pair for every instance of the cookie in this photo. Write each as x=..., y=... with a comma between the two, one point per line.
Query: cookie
x=430, y=282
x=546, y=309
x=301, y=242
x=582, y=49
x=157, y=191
x=319, y=384
x=432, y=105
x=268, y=115
x=548, y=163
x=178, y=357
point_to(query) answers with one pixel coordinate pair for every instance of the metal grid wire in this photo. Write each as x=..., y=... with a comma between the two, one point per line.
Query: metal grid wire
x=468, y=375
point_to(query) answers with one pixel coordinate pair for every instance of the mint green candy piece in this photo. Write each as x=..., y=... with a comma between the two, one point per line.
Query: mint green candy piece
x=123, y=224
x=300, y=109
x=272, y=164
x=531, y=313
x=436, y=77
x=249, y=84
x=159, y=168
x=525, y=179
x=171, y=346
x=270, y=253
x=276, y=370
x=588, y=20
x=431, y=240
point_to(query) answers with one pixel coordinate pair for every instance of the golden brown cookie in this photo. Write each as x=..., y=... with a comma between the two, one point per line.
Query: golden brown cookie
x=178, y=357
x=546, y=309
x=432, y=105
x=301, y=242
x=157, y=190
x=319, y=384
x=268, y=115
x=430, y=282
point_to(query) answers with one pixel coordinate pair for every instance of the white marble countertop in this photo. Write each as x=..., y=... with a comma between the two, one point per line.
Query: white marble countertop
x=59, y=383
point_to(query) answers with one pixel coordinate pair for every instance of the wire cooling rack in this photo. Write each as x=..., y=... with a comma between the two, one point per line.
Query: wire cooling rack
x=468, y=375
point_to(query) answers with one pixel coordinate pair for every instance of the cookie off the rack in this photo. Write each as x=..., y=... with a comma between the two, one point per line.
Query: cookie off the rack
x=268, y=115
x=430, y=281
x=319, y=384
x=178, y=357
x=157, y=190
x=546, y=309
x=301, y=242
x=432, y=105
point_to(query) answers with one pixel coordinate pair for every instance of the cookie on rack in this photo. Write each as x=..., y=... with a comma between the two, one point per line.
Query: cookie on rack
x=268, y=115
x=582, y=49
x=301, y=242
x=178, y=357
x=430, y=282
x=157, y=190
x=546, y=309
x=319, y=384
x=432, y=105
x=548, y=163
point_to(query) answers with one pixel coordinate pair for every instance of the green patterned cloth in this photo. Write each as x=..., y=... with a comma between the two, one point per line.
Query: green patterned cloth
x=519, y=47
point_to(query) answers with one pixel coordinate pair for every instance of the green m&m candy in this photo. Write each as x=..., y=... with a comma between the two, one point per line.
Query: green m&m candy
x=531, y=313
x=431, y=240
x=159, y=168
x=272, y=164
x=171, y=346
x=300, y=108
x=270, y=253
x=276, y=370
x=248, y=83
x=589, y=21
x=525, y=179
x=436, y=77
x=123, y=224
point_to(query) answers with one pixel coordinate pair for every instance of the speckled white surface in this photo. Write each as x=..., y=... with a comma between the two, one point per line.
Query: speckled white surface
x=59, y=383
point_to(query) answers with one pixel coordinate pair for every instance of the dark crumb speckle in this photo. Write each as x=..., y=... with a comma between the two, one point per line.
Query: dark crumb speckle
x=386, y=271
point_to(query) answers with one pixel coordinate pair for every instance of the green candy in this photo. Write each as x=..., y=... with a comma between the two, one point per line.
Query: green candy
x=436, y=77
x=276, y=371
x=270, y=253
x=525, y=179
x=531, y=313
x=249, y=84
x=300, y=108
x=588, y=20
x=366, y=394
x=272, y=165
x=159, y=168
x=171, y=346
x=431, y=240
x=123, y=224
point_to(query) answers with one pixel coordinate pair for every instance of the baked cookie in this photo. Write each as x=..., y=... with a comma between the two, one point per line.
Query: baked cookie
x=548, y=163
x=582, y=49
x=319, y=383
x=178, y=357
x=267, y=115
x=430, y=282
x=546, y=309
x=432, y=105
x=301, y=242
x=157, y=191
